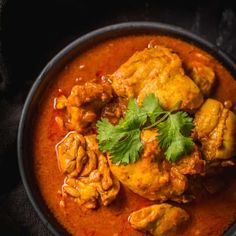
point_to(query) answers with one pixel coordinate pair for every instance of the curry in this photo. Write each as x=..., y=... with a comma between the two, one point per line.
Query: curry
x=137, y=136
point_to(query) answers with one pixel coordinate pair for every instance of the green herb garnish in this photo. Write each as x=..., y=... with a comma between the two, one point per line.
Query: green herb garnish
x=173, y=135
x=123, y=140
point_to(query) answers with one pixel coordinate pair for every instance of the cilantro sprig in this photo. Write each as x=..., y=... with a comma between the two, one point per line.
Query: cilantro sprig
x=173, y=135
x=123, y=140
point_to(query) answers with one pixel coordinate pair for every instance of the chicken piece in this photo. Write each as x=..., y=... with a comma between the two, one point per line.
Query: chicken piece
x=163, y=180
x=109, y=195
x=100, y=185
x=159, y=219
x=61, y=102
x=76, y=154
x=79, y=118
x=81, y=159
x=70, y=152
x=90, y=92
x=191, y=164
x=215, y=128
x=87, y=93
x=88, y=179
x=92, y=152
x=203, y=76
x=106, y=180
x=84, y=193
x=91, y=142
x=115, y=110
x=90, y=165
x=156, y=70
x=83, y=103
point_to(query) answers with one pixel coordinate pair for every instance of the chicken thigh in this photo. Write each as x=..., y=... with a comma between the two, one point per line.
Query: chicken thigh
x=83, y=104
x=159, y=219
x=203, y=76
x=156, y=70
x=88, y=177
x=163, y=180
x=216, y=130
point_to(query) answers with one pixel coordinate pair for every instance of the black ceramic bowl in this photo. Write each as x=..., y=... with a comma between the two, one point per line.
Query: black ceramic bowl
x=45, y=78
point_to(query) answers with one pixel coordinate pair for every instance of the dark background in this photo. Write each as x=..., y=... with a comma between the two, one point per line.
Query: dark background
x=31, y=32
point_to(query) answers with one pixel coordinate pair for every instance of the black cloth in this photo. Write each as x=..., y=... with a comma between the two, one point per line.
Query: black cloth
x=31, y=32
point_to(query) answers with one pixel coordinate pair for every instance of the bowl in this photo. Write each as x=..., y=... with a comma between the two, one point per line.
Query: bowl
x=58, y=61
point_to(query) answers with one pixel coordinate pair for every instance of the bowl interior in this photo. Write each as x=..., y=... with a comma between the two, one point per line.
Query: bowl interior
x=31, y=107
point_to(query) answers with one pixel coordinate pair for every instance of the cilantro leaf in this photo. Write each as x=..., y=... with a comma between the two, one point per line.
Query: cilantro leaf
x=173, y=135
x=179, y=146
x=134, y=117
x=123, y=140
x=128, y=149
x=152, y=107
x=107, y=134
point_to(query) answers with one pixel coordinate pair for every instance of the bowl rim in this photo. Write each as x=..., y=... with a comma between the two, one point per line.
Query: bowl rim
x=93, y=36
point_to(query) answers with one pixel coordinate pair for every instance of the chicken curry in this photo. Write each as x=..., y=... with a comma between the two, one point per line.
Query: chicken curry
x=137, y=136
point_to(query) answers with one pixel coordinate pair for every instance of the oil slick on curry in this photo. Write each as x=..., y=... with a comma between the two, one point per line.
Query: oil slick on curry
x=128, y=161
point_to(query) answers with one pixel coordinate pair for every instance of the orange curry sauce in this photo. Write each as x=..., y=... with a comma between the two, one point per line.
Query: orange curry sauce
x=210, y=215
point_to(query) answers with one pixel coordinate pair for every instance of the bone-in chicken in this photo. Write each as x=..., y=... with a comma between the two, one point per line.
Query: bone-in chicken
x=89, y=191
x=216, y=130
x=77, y=154
x=159, y=220
x=163, y=180
x=71, y=153
x=156, y=70
x=83, y=103
x=88, y=177
x=203, y=76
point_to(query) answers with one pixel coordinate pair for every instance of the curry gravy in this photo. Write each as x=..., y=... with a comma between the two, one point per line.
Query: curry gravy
x=210, y=215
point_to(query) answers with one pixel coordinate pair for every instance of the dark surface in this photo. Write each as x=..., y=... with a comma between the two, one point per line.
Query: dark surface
x=31, y=32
